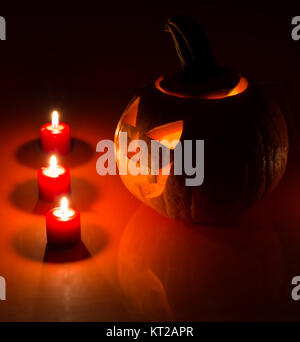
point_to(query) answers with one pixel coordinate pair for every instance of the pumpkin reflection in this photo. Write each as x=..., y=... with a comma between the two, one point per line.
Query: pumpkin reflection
x=177, y=271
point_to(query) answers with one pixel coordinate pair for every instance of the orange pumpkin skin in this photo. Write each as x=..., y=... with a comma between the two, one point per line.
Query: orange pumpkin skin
x=246, y=147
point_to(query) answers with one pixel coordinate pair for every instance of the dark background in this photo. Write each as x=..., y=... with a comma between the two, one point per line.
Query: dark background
x=57, y=51
x=88, y=61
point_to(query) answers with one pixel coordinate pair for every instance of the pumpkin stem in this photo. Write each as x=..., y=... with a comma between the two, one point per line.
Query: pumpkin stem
x=192, y=47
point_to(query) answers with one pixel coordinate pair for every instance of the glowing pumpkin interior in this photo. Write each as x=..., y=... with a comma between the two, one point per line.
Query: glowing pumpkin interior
x=148, y=186
x=168, y=135
x=238, y=89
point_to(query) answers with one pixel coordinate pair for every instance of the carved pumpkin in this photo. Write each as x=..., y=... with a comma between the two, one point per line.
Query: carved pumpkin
x=245, y=134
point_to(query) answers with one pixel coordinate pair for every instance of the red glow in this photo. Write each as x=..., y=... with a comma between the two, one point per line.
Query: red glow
x=53, y=182
x=63, y=225
x=56, y=140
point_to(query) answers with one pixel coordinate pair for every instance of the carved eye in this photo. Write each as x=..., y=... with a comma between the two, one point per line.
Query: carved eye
x=168, y=135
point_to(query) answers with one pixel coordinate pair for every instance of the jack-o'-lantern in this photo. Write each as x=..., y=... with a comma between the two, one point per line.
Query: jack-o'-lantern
x=244, y=133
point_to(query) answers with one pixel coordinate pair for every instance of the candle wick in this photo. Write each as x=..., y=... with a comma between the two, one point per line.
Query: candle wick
x=54, y=125
x=63, y=213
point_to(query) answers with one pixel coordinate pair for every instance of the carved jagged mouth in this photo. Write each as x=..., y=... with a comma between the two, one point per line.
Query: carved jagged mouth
x=238, y=89
x=154, y=189
x=147, y=186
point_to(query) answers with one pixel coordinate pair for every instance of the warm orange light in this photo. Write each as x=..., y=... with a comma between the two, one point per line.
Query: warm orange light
x=53, y=170
x=168, y=134
x=53, y=163
x=238, y=89
x=152, y=190
x=55, y=119
x=64, y=206
x=64, y=212
x=130, y=114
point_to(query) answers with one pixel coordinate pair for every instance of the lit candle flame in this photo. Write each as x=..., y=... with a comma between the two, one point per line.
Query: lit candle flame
x=53, y=170
x=55, y=119
x=64, y=207
x=53, y=163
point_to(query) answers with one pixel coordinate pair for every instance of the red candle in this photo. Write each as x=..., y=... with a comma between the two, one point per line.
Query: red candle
x=56, y=136
x=53, y=181
x=63, y=225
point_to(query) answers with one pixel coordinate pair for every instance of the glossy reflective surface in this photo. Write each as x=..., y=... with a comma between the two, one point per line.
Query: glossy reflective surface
x=135, y=264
